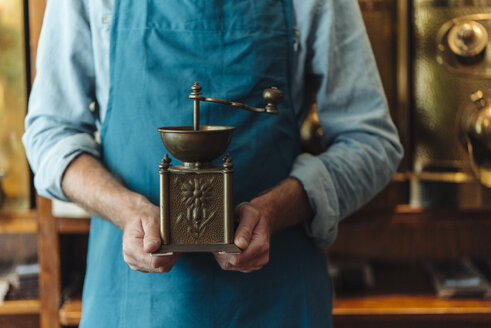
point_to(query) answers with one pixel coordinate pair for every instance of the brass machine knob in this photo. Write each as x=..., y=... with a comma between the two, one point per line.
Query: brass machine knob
x=273, y=97
x=468, y=41
x=476, y=127
x=477, y=123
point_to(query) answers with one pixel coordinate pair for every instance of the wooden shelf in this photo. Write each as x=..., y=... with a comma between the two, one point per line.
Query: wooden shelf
x=22, y=222
x=20, y=307
x=72, y=225
x=404, y=292
x=405, y=214
x=410, y=305
x=71, y=312
x=407, y=234
x=26, y=222
x=394, y=305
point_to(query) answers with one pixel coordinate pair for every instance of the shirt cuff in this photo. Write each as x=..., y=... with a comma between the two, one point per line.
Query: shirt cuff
x=47, y=179
x=318, y=185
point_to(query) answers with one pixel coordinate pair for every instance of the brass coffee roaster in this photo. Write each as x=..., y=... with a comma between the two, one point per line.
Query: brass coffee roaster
x=196, y=197
x=450, y=80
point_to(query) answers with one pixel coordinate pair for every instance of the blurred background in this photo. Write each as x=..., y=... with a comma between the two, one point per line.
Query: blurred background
x=418, y=255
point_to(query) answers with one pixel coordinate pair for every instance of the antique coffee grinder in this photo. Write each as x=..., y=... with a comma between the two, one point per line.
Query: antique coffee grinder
x=196, y=197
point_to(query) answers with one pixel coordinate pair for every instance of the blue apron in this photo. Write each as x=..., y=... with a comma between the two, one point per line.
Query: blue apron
x=235, y=49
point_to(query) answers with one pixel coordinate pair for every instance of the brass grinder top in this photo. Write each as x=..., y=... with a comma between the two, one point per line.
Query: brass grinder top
x=203, y=145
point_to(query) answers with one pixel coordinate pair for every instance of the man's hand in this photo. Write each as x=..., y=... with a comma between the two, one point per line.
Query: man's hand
x=141, y=237
x=285, y=205
x=89, y=184
x=252, y=236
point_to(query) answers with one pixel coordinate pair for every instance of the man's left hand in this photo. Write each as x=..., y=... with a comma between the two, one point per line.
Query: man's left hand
x=283, y=206
x=252, y=236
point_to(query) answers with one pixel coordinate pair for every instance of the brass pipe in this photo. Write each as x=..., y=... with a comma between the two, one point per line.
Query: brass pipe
x=196, y=115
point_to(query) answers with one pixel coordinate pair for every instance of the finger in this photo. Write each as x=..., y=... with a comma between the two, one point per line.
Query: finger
x=257, y=253
x=139, y=260
x=151, y=234
x=224, y=260
x=134, y=255
x=249, y=217
x=253, y=258
x=164, y=264
x=161, y=261
x=226, y=264
x=133, y=252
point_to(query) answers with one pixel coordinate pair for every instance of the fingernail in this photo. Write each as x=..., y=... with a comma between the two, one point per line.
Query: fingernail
x=150, y=243
x=242, y=242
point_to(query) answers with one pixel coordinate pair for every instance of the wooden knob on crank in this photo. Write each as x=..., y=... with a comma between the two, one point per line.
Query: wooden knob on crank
x=273, y=97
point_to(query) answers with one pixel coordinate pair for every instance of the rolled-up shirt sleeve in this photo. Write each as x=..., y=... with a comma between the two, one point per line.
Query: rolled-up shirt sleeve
x=362, y=145
x=59, y=124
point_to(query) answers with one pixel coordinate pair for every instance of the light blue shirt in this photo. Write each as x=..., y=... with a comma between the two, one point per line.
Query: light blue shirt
x=332, y=59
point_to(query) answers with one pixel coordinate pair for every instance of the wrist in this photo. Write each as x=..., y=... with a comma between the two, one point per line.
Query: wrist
x=134, y=206
x=285, y=205
x=265, y=207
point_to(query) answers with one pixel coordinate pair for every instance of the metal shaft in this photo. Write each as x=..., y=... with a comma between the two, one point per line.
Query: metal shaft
x=196, y=114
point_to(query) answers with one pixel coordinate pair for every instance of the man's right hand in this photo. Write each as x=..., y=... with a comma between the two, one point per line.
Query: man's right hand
x=141, y=237
x=89, y=184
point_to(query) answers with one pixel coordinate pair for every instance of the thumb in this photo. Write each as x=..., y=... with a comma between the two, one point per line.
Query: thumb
x=151, y=234
x=249, y=217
